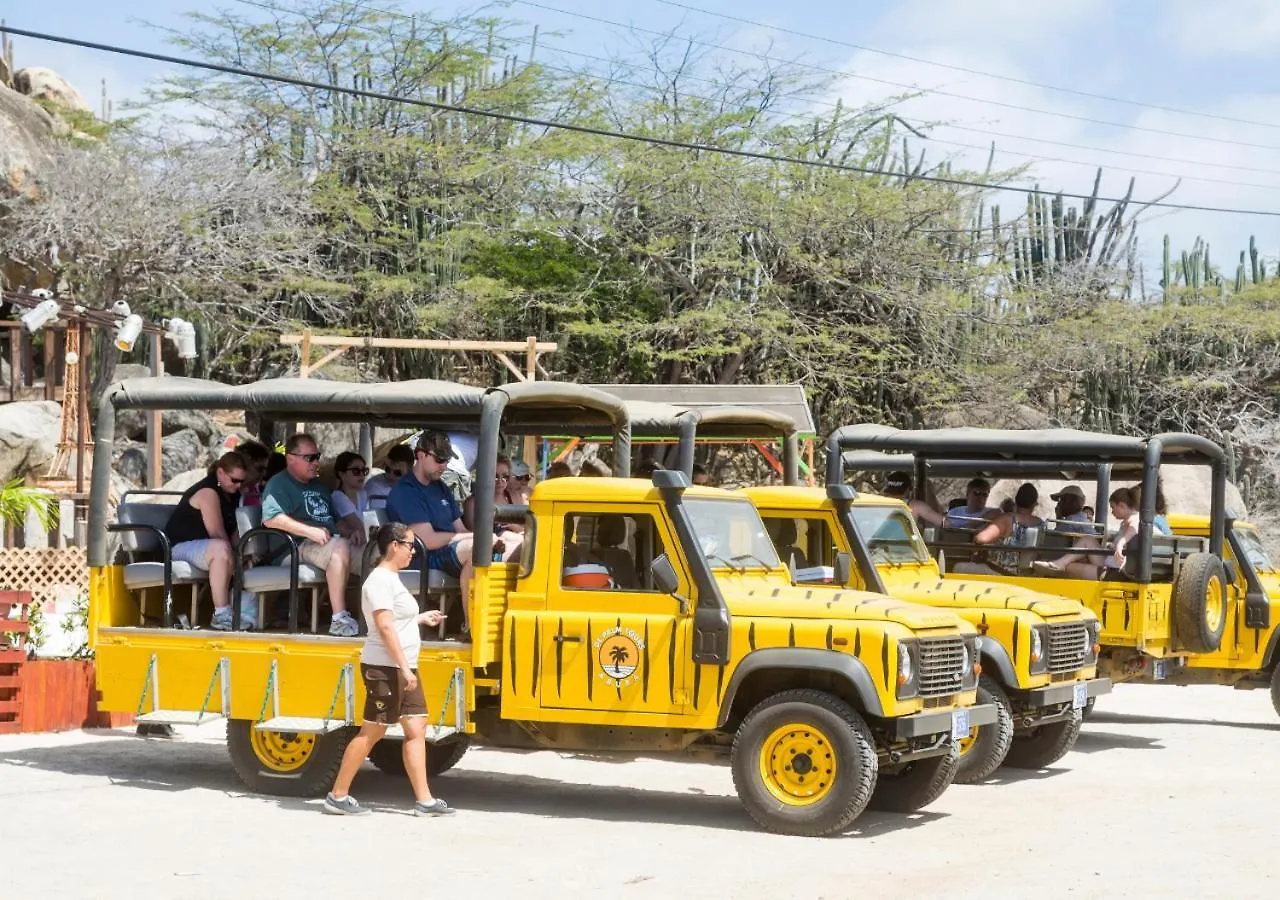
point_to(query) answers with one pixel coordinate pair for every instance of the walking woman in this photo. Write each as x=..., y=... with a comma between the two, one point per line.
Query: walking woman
x=389, y=667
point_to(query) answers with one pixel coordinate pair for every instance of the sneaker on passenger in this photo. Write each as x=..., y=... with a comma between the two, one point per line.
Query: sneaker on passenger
x=344, y=625
x=347, y=806
x=435, y=807
x=222, y=619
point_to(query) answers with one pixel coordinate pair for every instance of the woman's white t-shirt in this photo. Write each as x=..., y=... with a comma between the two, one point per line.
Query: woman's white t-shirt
x=384, y=590
x=343, y=506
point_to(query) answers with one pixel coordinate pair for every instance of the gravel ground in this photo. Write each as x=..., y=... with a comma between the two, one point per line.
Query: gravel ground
x=1169, y=791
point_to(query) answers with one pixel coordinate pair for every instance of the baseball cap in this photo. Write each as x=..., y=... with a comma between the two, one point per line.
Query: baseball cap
x=897, y=482
x=1070, y=490
x=519, y=468
x=436, y=443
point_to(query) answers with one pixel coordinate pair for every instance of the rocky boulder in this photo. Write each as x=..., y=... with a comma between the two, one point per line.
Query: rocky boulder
x=129, y=460
x=1186, y=490
x=27, y=134
x=28, y=436
x=47, y=85
x=132, y=424
x=181, y=452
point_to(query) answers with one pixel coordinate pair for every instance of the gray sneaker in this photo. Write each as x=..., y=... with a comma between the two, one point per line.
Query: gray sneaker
x=343, y=625
x=222, y=619
x=436, y=807
x=347, y=806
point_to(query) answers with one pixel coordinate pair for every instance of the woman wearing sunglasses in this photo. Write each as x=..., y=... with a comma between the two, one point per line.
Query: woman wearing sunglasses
x=202, y=530
x=389, y=669
x=351, y=499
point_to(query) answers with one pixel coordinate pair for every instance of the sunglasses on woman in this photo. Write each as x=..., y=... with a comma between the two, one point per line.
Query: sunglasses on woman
x=354, y=470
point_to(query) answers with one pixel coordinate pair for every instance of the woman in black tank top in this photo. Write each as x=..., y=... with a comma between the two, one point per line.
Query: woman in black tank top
x=202, y=529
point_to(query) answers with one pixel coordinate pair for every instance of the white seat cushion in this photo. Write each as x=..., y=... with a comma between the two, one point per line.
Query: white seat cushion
x=276, y=578
x=151, y=574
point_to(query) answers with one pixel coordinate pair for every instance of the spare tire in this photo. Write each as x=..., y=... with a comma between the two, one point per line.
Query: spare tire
x=1200, y=603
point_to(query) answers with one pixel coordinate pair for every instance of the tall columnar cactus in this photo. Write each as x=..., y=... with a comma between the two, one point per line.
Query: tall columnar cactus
x=1240, y=274
x=1167, y=283
x=1253, y=259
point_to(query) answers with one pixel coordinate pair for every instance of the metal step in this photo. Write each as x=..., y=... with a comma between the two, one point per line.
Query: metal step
x=178, y=717
x=300, y=725
x=435, y=733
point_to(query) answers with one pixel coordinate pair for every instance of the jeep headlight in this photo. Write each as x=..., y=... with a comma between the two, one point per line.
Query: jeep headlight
x=1039, y=648
x=907, y=670
x=969, y=664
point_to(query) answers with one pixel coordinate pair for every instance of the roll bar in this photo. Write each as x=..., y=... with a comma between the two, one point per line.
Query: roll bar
x=1027, y=452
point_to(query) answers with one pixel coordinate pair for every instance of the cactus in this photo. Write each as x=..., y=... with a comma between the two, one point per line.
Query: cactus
x=1167, y=283
x=1240, y=274
x=1253, y=259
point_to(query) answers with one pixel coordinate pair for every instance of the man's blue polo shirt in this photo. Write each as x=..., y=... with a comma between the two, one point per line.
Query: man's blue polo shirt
x=413, y=503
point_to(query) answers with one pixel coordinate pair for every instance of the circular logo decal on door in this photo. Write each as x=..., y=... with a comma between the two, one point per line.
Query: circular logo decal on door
x=618, y=654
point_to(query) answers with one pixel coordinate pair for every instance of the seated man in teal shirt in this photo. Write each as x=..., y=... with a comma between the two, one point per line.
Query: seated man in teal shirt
x=295, y=501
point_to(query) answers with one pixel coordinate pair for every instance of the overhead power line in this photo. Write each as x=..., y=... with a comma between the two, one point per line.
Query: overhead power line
x=1182, y=111
x=590, y=130
x=815, y=101
x=899, y=84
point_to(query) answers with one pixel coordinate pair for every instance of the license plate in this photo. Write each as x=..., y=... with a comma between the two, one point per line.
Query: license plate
x=960, y=723
x=1080, y=696
x=1159, y=669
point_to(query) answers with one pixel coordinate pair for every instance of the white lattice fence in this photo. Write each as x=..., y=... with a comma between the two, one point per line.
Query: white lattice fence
x=45, y=571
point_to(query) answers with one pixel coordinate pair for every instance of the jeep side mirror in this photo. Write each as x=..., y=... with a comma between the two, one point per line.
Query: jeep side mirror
x=843, y=568
x=664, y=574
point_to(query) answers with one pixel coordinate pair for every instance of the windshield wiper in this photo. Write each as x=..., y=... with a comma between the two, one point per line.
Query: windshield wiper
x=728, y=564
x=751, y=556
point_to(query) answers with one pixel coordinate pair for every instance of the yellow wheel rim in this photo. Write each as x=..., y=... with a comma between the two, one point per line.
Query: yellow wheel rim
x=968, y=743
x=282, y=751
x=1214, y=609
x=798, y=764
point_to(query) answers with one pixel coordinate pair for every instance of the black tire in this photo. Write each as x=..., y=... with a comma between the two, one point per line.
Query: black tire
x=312, y=778
x=445, y=755
x=991, y=743
x=917, y=784
x=851, y=747
x=1040, y=747
x=1275, y=690
x=1200, y=578
x=1088, y=709
x=388, y=756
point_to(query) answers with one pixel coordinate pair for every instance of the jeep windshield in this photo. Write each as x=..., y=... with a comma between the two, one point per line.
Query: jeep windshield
x=731, y=534
x=1251, y=545
x=890, y=534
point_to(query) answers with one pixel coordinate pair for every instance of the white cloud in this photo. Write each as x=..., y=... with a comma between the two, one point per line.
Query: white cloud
x=1223, y=26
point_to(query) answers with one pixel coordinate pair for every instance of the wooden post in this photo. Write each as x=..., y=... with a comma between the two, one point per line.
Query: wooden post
x=154, y=431
x=82, y=413
x=304, y=370
x=50, y=337
x=530, y=451
x=15, y=359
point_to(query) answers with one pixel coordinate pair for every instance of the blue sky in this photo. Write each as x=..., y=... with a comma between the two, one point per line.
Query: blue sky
x=1213, y=58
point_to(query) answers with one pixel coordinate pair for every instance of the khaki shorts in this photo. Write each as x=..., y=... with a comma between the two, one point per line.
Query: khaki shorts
x=386, y=701
x=318, y=555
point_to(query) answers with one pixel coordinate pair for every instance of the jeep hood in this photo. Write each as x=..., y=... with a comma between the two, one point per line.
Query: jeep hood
x=828, y=603
x=922, y=585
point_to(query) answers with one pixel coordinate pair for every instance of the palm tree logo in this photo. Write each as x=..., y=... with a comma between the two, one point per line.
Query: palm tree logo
x=618, y=656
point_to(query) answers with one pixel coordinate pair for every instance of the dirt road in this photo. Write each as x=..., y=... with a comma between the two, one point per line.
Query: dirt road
x=1170, y=791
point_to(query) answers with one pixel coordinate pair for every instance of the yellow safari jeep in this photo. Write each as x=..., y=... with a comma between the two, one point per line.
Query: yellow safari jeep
x=1039, y=652
x=644, y=617
x=1191, y=607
